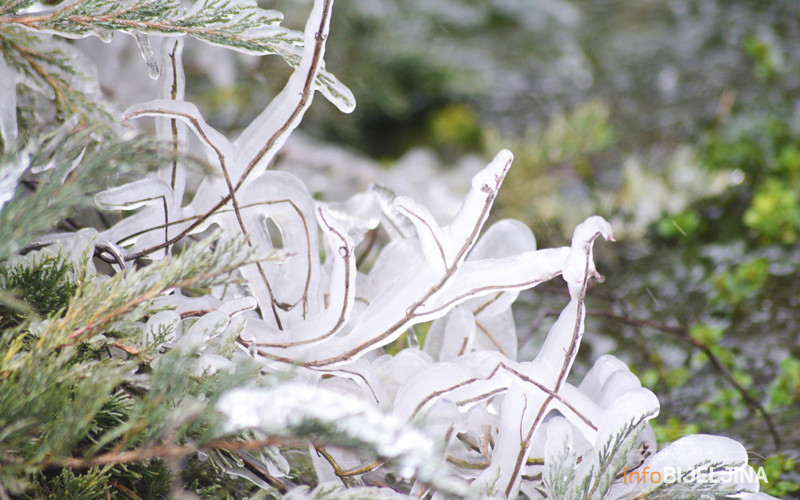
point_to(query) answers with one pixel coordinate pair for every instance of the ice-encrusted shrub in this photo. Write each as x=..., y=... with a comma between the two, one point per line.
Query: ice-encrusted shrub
x=461, y=416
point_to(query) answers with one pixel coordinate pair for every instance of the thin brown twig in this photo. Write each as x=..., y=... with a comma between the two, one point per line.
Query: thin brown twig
x=363, y=469
x=683, y=334
x=58, y=89
x=256, y=468
x=167, y=451
x=337, y=469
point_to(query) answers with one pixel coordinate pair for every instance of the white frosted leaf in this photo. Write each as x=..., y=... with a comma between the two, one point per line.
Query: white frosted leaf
x=518, y=412
x=584, y=415
x=359, y=213
x=207, y=326
x=394, y=371
x=494, y=321
x=171, y=84
x=496, y=332
x=621, y=422
x=396, y=224
x=502, y=239
x=434, y=246
x=134, y=195
x=182, y=304
x=634, y=405
x=327, y=321
x=474, y=210
x=277, y=465
x=238, y=306
x=697, y=460
x=487, y=276
x=217, y=145
x=284, y=200
x=459, y=334
x=335, y=91
x=464, y=381
x=617, y=384
x=434, y=340
x=441, y=419
x=580, y=263
x=172, y=81
x=594, y=380
x=365, y=376
x=148, y=227
x=562, y=342
x=334, y=490
x=440, y=380
x=398, y=259
x=478, y=420
x=210, y=363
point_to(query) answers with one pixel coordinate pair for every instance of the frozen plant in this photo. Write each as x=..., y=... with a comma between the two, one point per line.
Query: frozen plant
x=242, y=355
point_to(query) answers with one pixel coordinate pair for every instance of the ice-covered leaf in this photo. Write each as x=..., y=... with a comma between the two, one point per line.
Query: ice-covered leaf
x=451, y=336
x=696, y=463
x=426, y=290
x=396, y=224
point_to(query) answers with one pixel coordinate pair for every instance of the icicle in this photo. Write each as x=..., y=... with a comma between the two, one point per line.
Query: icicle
x=147, y=54
x=413, y=340
x=105, y=36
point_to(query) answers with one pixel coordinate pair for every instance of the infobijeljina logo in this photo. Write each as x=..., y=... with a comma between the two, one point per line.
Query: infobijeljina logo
x=696, y=476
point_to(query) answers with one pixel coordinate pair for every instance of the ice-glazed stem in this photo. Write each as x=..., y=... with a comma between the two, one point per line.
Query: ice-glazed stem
x=562, y=342
x=267, y=133
x=262, y=139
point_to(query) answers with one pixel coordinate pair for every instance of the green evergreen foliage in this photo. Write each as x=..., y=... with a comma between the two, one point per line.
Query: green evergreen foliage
x=43, y=288
x=102, y=390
